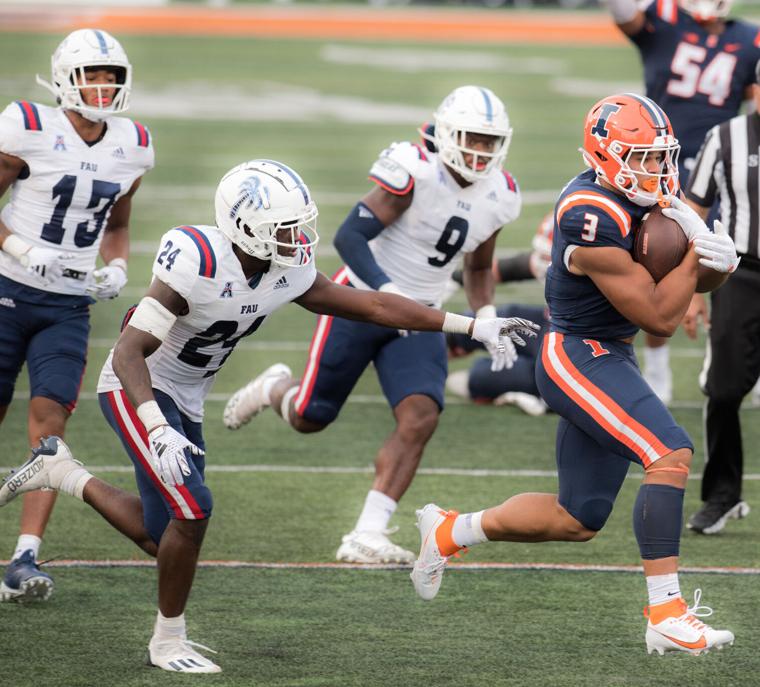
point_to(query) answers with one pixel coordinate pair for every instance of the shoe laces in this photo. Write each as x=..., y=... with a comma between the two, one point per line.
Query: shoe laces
x=694, y=612
x=190, y=642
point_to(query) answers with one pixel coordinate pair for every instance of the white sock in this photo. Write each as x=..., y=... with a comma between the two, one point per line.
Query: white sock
x=168, y=628
x=285, y=403
x=26, y=542
x=468, y=530
x=377, y=512
x=663, y=588
x=73, y=482
x=657, y=360
x=266, y=388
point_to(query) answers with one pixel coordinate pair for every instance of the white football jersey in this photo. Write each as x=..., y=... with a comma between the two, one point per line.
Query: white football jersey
x=419, y=251
x=199, y=264
x=66, y=196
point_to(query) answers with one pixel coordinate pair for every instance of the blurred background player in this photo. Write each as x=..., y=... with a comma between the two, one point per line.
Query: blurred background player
x=212, y=286
x=610, y=417
x=73, y=170
x=515, y=385
x=403, y=237
x=727, y=169
x=699, y=67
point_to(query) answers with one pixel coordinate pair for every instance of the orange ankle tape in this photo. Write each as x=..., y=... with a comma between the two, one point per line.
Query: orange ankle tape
x=443, y=538
x=658, y=613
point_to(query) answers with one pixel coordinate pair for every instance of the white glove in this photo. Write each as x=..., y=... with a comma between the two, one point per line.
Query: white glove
x=500, y=334
x=717, y=250
x=108, y=281
x=501, y=357
x=44, y=264
x=167, y=449
x=690, y=222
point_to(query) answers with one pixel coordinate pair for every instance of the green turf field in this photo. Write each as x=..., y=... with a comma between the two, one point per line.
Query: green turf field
x=325, y=108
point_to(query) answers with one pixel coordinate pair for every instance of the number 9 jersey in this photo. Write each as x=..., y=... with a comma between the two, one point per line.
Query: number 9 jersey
x=64, y=195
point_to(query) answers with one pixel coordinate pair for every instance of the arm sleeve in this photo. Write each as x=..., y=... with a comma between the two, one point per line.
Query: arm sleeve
x=352, y=243
x=703, y=185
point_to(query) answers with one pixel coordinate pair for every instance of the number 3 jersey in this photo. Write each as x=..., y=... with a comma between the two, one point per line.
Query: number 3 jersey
x=418, y=250
x=588, y=215
x=698, y=78
x=64, y=196
x=198, y=262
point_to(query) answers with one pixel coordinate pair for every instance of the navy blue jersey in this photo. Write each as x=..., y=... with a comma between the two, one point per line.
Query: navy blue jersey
x=699, y=79
x=588, y=215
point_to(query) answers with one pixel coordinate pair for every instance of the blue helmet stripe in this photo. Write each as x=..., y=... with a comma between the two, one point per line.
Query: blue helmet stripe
x=294, y=177
x=489, y=106
x=101, y=42
x=654, y=110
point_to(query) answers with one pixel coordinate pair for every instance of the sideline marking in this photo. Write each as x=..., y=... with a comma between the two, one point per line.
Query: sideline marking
x=469, y=567
x=351, y=23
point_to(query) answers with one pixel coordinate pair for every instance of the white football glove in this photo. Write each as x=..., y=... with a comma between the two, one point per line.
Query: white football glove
x=500, y=334
x=717, y=251
x=107, y=282
x=690, y=222
x=167, y=449
x=45, y=264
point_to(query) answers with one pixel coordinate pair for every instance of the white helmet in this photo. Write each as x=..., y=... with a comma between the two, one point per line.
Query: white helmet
x=256, y=201
x=471, y=109
x=82, y=50
x=706, y=10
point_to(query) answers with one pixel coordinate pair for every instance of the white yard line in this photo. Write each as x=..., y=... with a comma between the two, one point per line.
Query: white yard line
x=364, y=470
x=469, y=567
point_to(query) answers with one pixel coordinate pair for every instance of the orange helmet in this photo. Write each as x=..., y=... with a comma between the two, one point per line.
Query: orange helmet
x=621, y=134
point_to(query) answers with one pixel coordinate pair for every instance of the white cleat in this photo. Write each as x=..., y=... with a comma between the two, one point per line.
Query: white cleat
x=685, y=632
x=372, y=547
x=50, y=462
x=177, y=655
x=248, y=402
x=528, y=403
x=429, y=567
x=458, y=383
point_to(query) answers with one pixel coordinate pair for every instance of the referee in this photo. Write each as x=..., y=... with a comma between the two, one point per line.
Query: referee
x=727, y=169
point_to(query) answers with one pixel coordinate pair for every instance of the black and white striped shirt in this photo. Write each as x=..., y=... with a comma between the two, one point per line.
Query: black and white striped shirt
x=727, y=167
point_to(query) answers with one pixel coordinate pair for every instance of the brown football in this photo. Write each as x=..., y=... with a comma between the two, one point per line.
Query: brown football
x=660, y=244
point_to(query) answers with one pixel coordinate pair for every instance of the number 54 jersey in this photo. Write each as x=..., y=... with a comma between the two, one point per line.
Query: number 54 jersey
x=418, y=250
x=64, y=196
x=198, y=262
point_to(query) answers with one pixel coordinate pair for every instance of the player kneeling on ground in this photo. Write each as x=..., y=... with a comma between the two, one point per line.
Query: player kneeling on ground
x=212, y=286
x=587, y=372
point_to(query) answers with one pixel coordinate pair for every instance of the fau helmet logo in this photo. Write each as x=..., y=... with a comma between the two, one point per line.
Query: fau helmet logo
x=600, y=128
x=252, y=194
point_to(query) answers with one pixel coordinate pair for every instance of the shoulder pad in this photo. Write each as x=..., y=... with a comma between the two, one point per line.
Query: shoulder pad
x=612, y=223
x=184, y=255
x=16, y=121
x=397, y=166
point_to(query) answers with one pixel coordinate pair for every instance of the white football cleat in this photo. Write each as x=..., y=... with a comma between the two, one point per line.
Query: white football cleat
x=428, y=569
x=49, y=463
x=372, y=547
x=249, y=401
x=177, y=655
x=528, y=403
x=458, y=383
x=683, y=631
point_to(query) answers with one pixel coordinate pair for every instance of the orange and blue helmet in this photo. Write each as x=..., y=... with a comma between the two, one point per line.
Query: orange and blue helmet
x=622, y=133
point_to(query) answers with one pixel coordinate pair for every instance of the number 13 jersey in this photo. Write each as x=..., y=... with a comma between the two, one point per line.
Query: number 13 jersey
x=63, y=197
